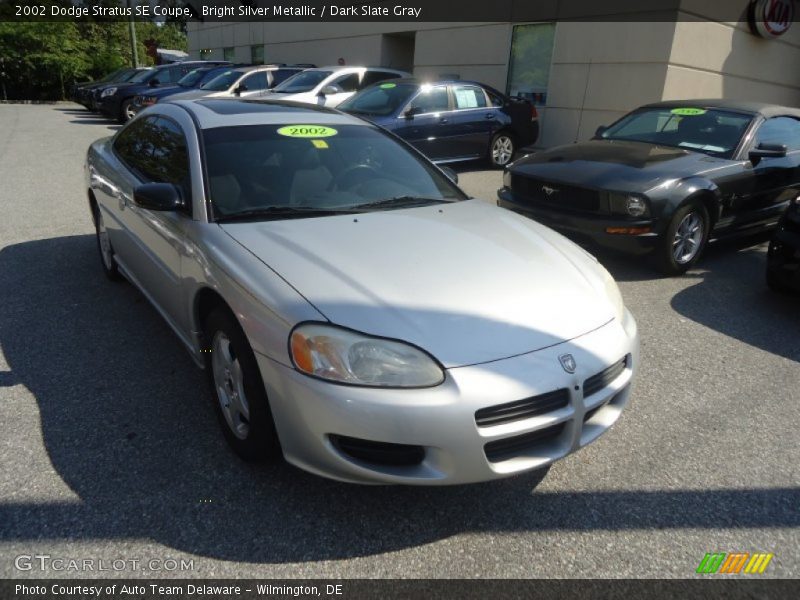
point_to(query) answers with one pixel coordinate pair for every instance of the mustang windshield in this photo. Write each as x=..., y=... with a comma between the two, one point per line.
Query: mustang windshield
x=381, y=100
x=707, y=130
x=286, y=171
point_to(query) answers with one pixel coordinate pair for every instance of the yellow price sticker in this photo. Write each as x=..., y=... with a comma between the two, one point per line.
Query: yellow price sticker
x=307, y=131
x=321, y=144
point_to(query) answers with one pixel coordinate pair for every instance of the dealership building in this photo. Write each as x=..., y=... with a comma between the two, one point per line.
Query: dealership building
x=580, y=74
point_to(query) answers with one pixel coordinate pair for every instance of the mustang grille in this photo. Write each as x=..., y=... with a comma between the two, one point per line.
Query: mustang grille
x=500, y=450
x=595, y=383
x=562, y=197
x=522, y=409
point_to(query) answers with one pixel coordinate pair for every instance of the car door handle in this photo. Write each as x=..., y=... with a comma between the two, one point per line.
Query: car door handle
x=443, y=120
x=490, y=115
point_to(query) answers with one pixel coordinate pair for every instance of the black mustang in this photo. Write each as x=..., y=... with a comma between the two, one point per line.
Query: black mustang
x=666, y=177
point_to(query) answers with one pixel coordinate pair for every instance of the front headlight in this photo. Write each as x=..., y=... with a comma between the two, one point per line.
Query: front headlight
x=344, y=356
x=108, y=92
x=614, y=296
x=628, y=204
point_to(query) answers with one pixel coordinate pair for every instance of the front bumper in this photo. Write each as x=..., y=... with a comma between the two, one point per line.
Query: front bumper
x=109, y=105
x=310, y=414
x=586, y=228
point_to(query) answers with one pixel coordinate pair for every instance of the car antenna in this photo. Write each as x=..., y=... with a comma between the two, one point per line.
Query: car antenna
x=583, y=101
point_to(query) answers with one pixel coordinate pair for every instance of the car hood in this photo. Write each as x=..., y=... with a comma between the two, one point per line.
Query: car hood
x=468, y=282
x=192, y=95
x=614, y=164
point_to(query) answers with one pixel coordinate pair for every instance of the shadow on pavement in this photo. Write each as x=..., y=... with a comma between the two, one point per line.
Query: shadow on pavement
x=127, y=424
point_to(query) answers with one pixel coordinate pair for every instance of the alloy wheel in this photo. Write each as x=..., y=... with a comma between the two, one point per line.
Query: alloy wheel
x=502, y=150
x=229, y=385
x=688, y=238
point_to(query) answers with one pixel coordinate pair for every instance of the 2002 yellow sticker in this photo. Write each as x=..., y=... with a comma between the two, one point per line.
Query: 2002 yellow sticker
x=688, y=112
x=307, y=131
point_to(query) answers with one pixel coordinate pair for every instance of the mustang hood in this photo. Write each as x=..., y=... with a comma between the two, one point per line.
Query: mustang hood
x=468, y=282
x=614, y=165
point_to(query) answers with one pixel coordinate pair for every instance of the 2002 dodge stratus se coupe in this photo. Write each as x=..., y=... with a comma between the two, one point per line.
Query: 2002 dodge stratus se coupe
x=355, y=311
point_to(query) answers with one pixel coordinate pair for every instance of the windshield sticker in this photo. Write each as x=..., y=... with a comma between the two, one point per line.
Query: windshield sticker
x=321, y=144
x=387, y=86
x=307, y=131
x=688, y=112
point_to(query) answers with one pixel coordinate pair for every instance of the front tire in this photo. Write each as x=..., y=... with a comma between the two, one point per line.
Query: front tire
x=684, y=240
x=501, y=150
x=126, y=111
x=238, y=393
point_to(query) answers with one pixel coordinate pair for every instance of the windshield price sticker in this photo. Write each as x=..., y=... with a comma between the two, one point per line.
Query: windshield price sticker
x=387, y=86
x=688, y=112
x=307, y=131
x=321, y=144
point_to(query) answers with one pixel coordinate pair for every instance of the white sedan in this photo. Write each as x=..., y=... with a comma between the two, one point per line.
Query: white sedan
x=355, y=310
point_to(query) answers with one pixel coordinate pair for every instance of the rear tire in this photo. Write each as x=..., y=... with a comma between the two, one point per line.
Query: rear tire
x=238, y=393
x=684, y=240
x=501, y=150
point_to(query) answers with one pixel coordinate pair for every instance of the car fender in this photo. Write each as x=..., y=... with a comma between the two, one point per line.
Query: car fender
x=688, y=189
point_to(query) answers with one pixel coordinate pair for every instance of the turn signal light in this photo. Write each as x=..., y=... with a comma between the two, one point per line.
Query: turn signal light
x=628, y=230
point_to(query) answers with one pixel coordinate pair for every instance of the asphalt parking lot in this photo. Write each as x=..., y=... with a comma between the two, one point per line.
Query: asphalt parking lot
x=110, y=450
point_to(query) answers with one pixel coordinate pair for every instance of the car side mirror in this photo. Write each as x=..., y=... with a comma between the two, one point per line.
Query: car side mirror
x=411, y=111
x=765, y=150
x=153, y=82
x=451, y=175
x=329, y=90
x=158, y=196
x=600, y=131
x=239, y=89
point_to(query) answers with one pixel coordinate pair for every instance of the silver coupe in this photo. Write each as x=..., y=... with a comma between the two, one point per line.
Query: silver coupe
x=356, y=312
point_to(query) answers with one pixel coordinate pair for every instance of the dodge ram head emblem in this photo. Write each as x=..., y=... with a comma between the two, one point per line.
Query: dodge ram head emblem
x=568, y=362
x=548, y=190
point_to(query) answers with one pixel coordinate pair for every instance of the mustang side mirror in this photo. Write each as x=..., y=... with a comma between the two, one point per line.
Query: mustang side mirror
x=600, y=131
x=765, y=150
x=451, y=175
x=158, y=196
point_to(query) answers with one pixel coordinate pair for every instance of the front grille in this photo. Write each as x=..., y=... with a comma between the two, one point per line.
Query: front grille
x=522, y=409
x=379, y=453
x=595, y=383
x=562, y=197
x=500, y=450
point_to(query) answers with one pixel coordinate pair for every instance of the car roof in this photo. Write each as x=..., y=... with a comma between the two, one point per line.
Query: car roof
x=756, y=108
x=423, y=81
x=337, y=68
x=226, y=112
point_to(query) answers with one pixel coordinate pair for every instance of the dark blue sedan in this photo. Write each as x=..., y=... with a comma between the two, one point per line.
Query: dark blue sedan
x=192, y=80
x=449, y=120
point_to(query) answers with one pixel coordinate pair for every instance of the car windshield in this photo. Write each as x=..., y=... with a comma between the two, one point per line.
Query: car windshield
x=191, y=78
x=708, y=130
x=304, y=81
x=222, y=81
x=380, y=100
x=283, y=171
x=143, y=76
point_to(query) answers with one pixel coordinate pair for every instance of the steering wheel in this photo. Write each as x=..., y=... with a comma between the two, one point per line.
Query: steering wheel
x=351, y=176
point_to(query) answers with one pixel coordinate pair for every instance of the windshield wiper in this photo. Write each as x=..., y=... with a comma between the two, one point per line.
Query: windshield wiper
x=404, y=201
x=278, y=212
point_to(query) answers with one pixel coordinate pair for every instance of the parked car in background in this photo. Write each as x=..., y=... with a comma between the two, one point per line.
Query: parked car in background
x=191, y=81
x=449, y=120
x=116, y=100
x=665, y=178
x=298, y=254
x=83, y=93
x=330, y=86
x=251, y=81
x=783, y=255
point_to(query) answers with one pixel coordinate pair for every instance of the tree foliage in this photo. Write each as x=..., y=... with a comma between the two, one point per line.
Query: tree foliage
x=42, y=60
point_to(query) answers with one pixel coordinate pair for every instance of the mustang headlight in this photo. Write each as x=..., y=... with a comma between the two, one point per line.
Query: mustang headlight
x=344, y=356
x=614, y=296
x=629, y=204
x=108, y=92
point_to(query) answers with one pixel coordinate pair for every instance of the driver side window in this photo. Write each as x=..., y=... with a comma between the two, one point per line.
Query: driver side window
x=431, y=100
x=346, y=83
x=780, y=130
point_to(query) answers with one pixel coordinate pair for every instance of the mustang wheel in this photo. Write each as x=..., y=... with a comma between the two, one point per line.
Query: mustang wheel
x=684, y=239
x=239, y=397
x=105, y=249
x=501, y=150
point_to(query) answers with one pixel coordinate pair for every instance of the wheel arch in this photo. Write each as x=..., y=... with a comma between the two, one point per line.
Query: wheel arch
x=94, y=207
x=699, y=190
x=206, y=300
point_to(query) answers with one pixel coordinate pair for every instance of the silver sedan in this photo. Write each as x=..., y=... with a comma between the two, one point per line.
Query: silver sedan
x=355, y=311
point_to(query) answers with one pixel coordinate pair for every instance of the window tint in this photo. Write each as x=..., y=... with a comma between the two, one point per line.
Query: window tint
x=177, y=73
x=256, y=81
x=495, y=99
x=155, y=150
x=431, y=99
x=281, y=75
x=780, y=130
x=469, y=96
x=371, y=77
x=346, y=83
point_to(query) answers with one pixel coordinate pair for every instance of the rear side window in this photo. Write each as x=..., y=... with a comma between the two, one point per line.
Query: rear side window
x=346, y=83
x=155, y=150
x=431, y=99
x=281, y=75
x=780, y=130
x=469, y=96
x=371, y=77
x=256, y=81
